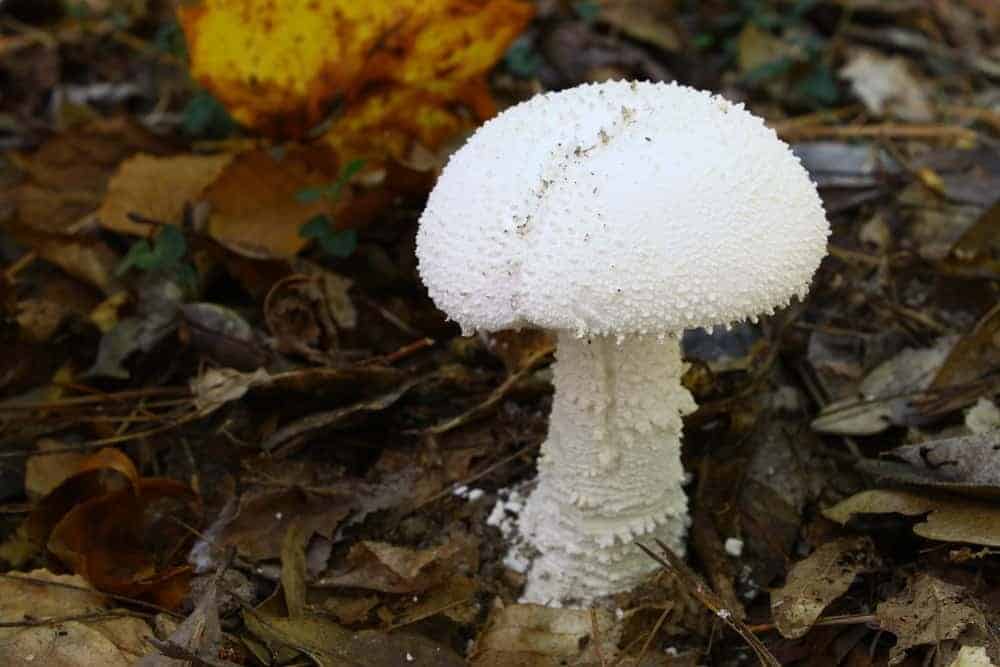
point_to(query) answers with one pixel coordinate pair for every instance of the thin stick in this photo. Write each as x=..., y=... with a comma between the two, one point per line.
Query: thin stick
x=690, y=580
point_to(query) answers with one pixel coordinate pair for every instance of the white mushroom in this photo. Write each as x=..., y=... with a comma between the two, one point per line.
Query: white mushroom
x=617, y=215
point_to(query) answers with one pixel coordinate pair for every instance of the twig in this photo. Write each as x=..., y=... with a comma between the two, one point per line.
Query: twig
x=690, y=580
x=880, y=131
x=595, y=631
x=847, y=619
x=652, y=635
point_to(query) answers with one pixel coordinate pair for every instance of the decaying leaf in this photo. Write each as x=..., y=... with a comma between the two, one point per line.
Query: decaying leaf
x=949, y=519
x=929, y=611
x=887, y=392
x=818, y=580
x=199, y=634
x=971, y=462
x=96, y=635
x=535, y=636
x=279, y=67
x=886, y=85
x=331, y=645
x=218, y=386
x=392, y=569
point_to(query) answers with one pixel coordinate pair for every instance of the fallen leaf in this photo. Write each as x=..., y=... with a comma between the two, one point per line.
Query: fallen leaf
x=279, y=67
x=293, y=566
x=106, y=471
x=972, y=656
x=116, y=540
x=929, y=611
x=254, y=208
x=44, y=472
x=887, y=86
x=536, y=636
x=975, y=253
x=155, y=318
x=218, y=386
x=264, y=519
x=67, y=175
x=331, y=645
x=384, y=567
x=816, y=581
x=200, y=634
x=651, y=21
x=888, y=393
x=108, y=639
x=965, y=461
x=157, y=188
x=948, y=519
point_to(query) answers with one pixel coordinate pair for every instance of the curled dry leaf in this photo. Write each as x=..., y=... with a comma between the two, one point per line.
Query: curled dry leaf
x=948, y=519
x=279, y=67
x=535, y=636
x=818, y=580
x=108, y=638
x=929, y=611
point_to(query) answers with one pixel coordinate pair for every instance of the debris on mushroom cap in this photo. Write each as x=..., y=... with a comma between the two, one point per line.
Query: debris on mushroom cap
x=619, y=208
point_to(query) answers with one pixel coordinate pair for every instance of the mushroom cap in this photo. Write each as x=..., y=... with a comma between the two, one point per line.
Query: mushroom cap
x=620, y=208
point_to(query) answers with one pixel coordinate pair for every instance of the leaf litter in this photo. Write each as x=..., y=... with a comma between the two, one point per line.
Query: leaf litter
x=236, y=431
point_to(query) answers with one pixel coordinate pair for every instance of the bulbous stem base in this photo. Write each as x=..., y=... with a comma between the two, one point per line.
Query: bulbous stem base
x=610, y=470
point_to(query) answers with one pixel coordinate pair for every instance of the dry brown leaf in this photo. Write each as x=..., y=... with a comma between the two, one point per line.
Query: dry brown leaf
x=385, y=567
x=650, y=21
x=68, y=174
x=44, y=472
x=254, y=209
x=929, y=611
x=110, y=642
x=949, y=519
x=117, y=543
x=535, y=636
x=157, y=188
x=331, y=645
x=816, y=581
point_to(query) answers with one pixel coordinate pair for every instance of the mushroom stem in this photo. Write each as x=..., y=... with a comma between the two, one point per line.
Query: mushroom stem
x=610, y=470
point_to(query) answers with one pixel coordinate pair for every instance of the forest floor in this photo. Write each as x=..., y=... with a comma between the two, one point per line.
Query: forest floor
x=236, y=431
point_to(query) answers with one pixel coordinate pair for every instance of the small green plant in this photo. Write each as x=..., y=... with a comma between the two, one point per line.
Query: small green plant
x=165, y=255
x=205, y=117
x=320, y=228
x=522, y=59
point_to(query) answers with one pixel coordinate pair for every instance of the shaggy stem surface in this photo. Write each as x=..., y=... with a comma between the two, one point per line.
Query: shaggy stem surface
x=610, y=470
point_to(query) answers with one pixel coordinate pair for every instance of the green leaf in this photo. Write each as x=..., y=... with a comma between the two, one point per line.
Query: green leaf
x=336, y=243
x=316, y=228
x=137, y=255
x=340, y=243
x=522, y=59
x=170, y=245
x=332, y=190
x=311, y=195
x=820, y=86
x=588, y=10
x=769, y=70
x=204, y=116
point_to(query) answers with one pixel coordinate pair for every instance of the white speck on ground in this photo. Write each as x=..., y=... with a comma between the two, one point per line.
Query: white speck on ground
x=734, y=547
